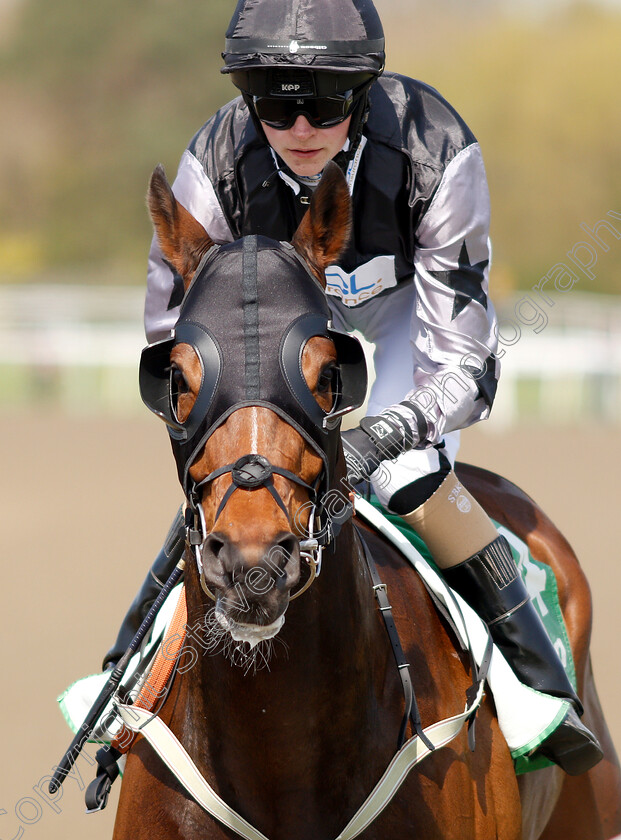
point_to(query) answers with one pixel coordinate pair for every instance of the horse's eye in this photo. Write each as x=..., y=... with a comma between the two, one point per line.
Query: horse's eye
x=178, y=381
x=179, y=388
x=327, y=379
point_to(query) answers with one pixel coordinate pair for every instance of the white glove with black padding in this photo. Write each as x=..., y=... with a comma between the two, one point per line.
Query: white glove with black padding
x=378, y=438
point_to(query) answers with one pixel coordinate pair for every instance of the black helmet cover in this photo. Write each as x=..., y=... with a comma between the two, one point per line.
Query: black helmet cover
x=339, y=36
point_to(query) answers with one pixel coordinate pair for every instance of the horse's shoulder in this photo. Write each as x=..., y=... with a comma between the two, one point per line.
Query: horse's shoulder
x=389, y=560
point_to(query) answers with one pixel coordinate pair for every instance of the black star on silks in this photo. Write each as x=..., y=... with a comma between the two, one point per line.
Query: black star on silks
x=466, y=281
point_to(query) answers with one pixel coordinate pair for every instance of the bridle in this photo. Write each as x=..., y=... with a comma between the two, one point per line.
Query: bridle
x=251, y=472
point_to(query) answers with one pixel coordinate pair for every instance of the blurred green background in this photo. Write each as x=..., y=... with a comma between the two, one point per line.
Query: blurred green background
x=95, y=94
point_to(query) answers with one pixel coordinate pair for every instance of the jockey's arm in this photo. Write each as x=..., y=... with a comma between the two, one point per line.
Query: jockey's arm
x=454, y=333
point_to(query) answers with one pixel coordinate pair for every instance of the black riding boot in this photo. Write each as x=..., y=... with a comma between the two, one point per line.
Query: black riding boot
x=491, y=584
x=160, y=571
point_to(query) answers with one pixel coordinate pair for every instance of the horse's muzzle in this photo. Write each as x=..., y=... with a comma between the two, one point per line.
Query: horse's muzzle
x=252, y=581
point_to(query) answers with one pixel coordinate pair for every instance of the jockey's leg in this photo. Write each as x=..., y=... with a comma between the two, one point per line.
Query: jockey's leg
x=477, y=563
x=160, y=571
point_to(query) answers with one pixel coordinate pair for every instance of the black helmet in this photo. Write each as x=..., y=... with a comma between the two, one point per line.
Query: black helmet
x=337, y=36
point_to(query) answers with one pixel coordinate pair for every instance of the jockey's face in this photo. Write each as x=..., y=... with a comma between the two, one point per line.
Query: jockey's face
x=306, y=149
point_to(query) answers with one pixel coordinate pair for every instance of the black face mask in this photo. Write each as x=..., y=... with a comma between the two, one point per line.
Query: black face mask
x=248, y=314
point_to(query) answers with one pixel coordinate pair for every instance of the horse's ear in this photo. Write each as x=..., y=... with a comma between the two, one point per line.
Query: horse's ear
x=324, y=231
x=182, y=239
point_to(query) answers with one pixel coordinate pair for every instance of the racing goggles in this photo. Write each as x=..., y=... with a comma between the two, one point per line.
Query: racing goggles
x=320, y=111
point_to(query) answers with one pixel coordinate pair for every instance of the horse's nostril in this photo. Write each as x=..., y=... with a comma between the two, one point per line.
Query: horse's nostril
x=285, y=550
x=214, y=545
x=216, y=559
x=221, y=564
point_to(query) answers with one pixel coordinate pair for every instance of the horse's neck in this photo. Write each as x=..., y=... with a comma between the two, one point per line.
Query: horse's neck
x=315, y=701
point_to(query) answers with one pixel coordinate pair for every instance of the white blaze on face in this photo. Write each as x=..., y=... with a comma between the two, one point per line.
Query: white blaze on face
x=255, y=426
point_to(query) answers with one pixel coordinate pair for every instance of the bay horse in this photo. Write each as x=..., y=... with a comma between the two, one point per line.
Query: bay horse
x=295, y=732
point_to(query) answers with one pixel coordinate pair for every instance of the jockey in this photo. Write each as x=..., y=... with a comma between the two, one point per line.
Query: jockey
x=413, y=281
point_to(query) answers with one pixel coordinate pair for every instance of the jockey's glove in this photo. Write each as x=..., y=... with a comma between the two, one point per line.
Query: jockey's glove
x=379, y=438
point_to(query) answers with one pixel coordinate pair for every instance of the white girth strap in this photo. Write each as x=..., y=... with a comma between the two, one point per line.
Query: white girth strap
x=176, y=758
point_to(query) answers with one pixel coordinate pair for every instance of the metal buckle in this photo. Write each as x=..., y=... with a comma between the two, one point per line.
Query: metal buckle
x=196, y=532
x=312, y=552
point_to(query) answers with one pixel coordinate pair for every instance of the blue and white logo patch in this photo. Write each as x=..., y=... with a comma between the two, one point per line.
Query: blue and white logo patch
x=362, y=284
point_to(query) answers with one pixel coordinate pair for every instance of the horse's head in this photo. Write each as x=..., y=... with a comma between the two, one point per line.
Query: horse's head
x=252, y=386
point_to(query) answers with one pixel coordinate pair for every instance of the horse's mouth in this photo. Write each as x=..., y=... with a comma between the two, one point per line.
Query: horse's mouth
x=252, y=634
x=250, y=626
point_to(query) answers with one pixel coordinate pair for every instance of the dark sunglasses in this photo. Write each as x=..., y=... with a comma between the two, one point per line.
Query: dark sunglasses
x=320, y=111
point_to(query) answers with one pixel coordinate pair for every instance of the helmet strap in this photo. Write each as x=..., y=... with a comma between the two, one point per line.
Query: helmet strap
x=359, y=117
x=257, y=122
